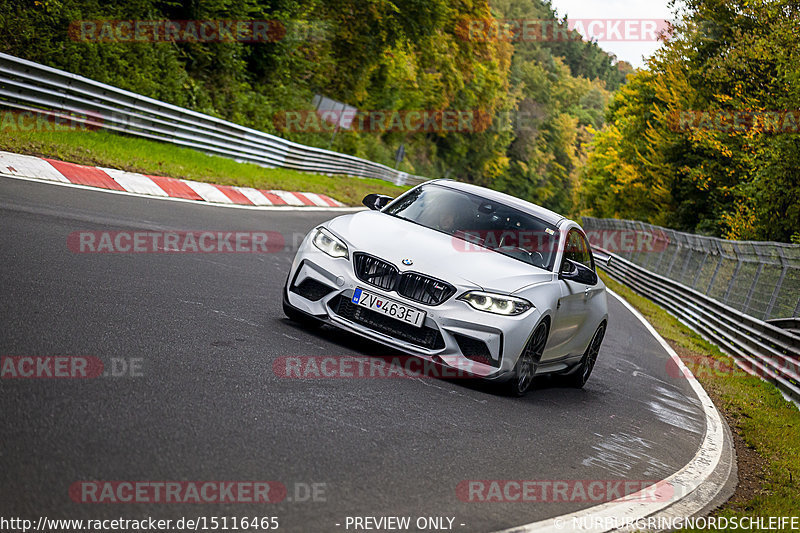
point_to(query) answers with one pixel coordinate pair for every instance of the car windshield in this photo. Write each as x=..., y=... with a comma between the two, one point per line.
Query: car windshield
x=479, y=224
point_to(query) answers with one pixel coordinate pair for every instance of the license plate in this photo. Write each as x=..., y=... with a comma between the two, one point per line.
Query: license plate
x=390, y=308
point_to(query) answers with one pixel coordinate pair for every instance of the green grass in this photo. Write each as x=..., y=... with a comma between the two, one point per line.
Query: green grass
x=160, y=159
x=755, y=410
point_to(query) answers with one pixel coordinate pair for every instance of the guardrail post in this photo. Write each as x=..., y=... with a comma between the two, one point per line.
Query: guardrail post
x=678, y=247
x=716, y=269
x=628, y=227
x=689, y=252
x=657, y=267
x=706, y=253
x=777, y=290
x=735, y=273
x=753, y=286
x=653, y=255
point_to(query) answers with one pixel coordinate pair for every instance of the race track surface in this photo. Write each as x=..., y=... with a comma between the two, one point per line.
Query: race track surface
x=206, y=329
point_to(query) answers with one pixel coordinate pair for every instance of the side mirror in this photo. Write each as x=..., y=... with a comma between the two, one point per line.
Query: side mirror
x=376, y=202
x=569, y=270
x=572, y=271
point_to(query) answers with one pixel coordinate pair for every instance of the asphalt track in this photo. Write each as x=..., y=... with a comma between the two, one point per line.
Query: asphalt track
x=208, y=406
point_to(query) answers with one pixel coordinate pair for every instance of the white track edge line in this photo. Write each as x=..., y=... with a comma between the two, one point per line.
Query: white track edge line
x=692, y=476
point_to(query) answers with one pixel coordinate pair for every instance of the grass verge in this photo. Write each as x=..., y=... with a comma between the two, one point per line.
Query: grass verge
x=766, y=427
x=106, y=149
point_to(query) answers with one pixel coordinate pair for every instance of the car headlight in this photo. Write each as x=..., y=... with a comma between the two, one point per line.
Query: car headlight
x=499, y=304
x=329, y=243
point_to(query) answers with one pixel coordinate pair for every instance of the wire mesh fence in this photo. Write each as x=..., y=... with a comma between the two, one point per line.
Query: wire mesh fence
x=760, y=279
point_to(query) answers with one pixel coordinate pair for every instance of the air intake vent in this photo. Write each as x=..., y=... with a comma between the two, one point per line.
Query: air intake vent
x=313, y=290
x=424, y=336
x=476, y=350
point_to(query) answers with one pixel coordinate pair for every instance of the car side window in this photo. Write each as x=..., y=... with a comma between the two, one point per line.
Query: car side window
x=586, y=252
x=572, y=247
x=577, y=249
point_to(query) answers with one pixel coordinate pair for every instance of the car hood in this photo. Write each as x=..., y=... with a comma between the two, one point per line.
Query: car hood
x=433, y=253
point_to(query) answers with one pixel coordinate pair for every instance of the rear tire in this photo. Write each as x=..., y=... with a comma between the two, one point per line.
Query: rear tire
x=579, y=378
x=525, y=369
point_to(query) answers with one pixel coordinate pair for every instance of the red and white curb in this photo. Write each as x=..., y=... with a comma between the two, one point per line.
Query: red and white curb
x=25, y=166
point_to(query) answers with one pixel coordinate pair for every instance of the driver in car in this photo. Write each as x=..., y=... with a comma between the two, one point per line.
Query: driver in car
x=447, y=221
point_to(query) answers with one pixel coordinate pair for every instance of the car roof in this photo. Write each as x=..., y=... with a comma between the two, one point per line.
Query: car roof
x=545, y=214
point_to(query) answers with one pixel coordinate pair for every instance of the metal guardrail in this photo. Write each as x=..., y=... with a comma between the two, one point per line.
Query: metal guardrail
x=29, y=86
x=760, y=279
x=757, y=346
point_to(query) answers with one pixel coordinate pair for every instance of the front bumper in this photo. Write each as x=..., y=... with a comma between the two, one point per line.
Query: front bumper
x=442, y=336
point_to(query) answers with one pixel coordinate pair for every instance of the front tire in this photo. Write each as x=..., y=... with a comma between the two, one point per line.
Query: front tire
x=525, y=369
x=579, y=378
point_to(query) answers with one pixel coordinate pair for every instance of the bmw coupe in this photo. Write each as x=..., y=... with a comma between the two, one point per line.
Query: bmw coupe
x=460, y=275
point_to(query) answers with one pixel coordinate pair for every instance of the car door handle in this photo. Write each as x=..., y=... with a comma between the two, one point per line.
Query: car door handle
x=586, y=292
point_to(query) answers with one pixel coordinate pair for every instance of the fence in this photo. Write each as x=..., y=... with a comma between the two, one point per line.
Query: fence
x=759, y=279
x=29, y=86
x=759, y=347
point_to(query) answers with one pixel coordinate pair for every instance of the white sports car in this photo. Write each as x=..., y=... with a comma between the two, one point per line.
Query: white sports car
x=460, y=275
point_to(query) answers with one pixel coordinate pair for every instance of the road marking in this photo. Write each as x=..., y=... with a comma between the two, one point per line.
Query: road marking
x=29, y=167
x=176, y=188
x=316, y=199
x=254, y=195
x=208, y=192
x=287, y=197
x=91, y=176
x=133, y=182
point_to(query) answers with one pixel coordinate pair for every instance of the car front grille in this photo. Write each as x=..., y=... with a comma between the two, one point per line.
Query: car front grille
x=424, y=336
x=423, y=289
x=416, y=287
x=375, y=271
